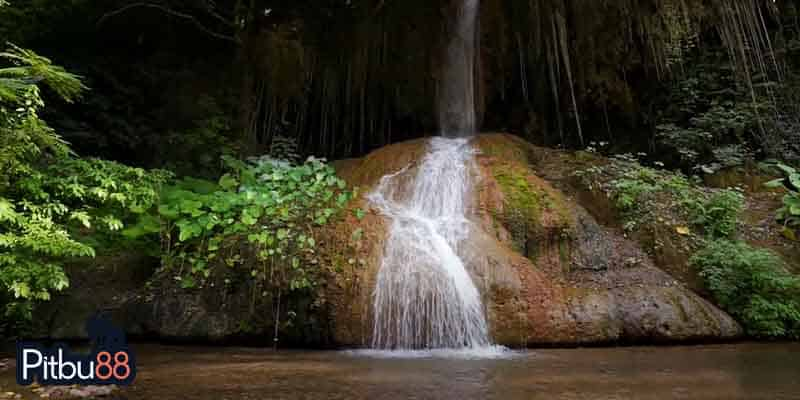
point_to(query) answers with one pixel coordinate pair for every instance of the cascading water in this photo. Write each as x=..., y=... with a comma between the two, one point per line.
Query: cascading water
x=424, y=296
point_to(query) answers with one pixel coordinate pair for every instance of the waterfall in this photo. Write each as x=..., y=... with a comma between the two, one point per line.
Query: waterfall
x=457, y=87
x=424, y=296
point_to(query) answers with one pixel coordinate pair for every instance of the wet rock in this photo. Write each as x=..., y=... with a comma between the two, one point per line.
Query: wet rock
x=118, y=288
x=598, y=286
x=227, y=314
x=107, y=285
x=550, y=273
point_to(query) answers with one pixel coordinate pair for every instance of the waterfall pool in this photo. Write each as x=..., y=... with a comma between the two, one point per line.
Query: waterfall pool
x=729, y=372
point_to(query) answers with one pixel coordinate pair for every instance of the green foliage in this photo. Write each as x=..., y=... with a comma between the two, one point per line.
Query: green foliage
x=718, y=213
x=55, y=213
x=24, y=137
x=789, y=214
x=708, y=119
x=30, y=239
x=50, y=202
x=196, y=150
x=753, y=286
x=637, y=181
x=270, y=205
x=29, y=68
x=643, y=193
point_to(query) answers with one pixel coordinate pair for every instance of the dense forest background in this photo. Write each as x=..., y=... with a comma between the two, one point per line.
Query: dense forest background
x=179, y=95
x=175, y=83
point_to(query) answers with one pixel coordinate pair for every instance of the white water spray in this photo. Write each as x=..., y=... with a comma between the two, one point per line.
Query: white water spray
x=424, y=296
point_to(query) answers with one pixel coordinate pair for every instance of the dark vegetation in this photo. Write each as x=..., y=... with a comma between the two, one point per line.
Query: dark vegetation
x=186, y=96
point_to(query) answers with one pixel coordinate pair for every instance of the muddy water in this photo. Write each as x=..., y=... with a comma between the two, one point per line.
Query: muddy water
x=742, y=371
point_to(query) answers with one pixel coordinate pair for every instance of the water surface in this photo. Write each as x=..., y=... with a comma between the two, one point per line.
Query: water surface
x=741, y=371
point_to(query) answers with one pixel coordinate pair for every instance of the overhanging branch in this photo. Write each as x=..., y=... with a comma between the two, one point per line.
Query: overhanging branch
x=174, y=13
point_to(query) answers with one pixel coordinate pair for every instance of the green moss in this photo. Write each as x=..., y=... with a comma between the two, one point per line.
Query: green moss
x=524, y=205
x=521, y=214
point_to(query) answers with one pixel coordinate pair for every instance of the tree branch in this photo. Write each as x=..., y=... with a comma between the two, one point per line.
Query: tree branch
x=172, y=12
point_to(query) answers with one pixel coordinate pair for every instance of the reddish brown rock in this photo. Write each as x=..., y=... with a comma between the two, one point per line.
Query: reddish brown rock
x=549, y=273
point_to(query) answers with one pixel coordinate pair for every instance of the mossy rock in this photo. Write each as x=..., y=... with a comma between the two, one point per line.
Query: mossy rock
x=530, y=210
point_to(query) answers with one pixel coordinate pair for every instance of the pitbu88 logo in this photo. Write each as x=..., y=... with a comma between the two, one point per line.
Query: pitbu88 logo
x=111, y=361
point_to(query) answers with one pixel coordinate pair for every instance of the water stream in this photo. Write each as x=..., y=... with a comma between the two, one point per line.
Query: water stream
x=424, y=296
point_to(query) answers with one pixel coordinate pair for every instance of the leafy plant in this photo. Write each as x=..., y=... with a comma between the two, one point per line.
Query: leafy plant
x=24, y=137
x=56, y=212
x=272, y=206
x=789, y=214
x=753, y=286
x=257, y=221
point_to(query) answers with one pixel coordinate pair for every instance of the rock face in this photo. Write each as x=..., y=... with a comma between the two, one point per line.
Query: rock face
x=549, y=273
x=147, y=303
x=106, y=285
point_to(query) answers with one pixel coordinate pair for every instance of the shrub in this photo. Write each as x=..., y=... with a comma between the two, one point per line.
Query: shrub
x=271, y=205
x=717, y=213
x=753, y=286
x=638, y=190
